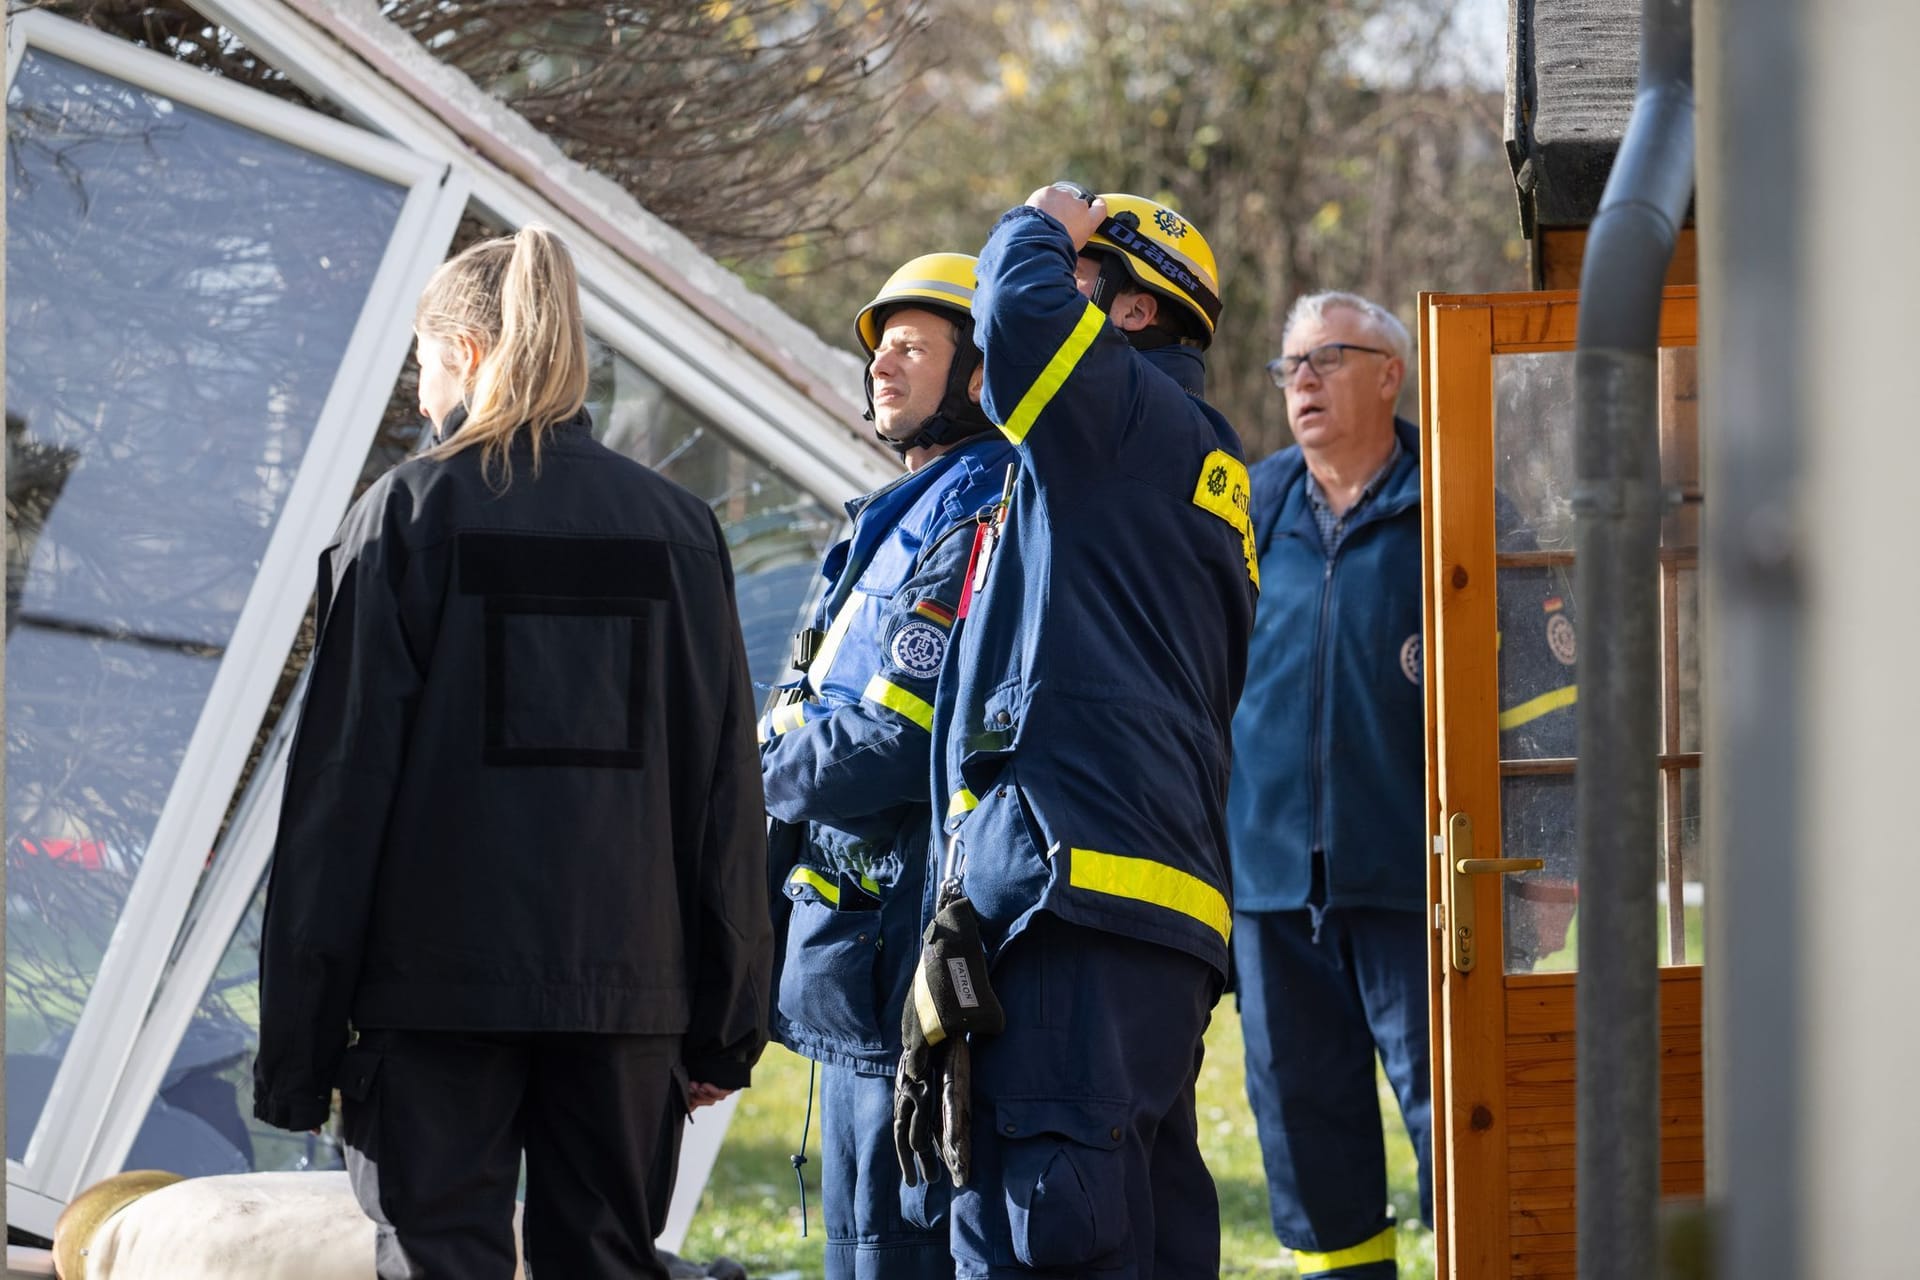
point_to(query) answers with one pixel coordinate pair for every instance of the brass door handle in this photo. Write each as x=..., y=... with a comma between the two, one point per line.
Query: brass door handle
x=1496, y=866
x=1464, y=866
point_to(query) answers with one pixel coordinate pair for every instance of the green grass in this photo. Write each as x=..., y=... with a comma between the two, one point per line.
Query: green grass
x=1567, y=958
x=751, y=1210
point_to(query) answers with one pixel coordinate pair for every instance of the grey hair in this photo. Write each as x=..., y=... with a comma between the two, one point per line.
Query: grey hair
x=1386, y=326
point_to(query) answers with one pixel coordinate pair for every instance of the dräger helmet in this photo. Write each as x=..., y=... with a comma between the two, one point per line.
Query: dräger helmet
x=1161, y=251
x=942, y=283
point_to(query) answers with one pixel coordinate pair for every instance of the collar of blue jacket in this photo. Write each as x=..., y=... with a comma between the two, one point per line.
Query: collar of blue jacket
x=1280, y=497
x=1185, y=365
x=876, y=514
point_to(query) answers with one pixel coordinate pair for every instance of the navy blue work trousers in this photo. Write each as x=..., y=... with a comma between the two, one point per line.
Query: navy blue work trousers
x=1318, y=1000
x=878, y=1228
x=1086, y=1154
x=436, y=1123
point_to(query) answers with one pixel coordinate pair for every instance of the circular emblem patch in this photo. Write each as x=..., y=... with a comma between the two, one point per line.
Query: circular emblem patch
x=918, y=649
x=1560, y=638
x=1169, y=221
x=1410, y=658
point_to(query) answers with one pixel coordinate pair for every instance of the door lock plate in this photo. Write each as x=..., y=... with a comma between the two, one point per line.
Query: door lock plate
x=1462, y=867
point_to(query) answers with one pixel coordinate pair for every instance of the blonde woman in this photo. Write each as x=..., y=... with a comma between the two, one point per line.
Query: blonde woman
x=518, y=902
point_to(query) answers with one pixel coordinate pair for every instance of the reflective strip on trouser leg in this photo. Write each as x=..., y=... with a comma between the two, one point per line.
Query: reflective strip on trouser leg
x=1381, y=1248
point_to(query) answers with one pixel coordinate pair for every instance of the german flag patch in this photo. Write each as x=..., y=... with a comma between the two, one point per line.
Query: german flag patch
x=935, y=612
x=1553, y=604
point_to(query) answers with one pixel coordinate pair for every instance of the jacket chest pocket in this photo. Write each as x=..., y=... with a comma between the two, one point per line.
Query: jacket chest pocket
x=855, y=644
x=571, y=681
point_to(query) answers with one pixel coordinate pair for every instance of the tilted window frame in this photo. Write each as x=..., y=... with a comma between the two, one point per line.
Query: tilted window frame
x=700, y=361
x=100, y=1062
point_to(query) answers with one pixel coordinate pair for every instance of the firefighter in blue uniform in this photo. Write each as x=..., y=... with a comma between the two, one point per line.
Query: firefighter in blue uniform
x=1082, y=746
x=1327, y=808
x=845, y=760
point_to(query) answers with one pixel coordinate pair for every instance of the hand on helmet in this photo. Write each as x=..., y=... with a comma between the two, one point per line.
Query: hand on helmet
x=1071, y=211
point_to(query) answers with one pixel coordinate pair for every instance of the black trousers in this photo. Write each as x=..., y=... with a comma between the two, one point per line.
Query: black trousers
x=436, y=1122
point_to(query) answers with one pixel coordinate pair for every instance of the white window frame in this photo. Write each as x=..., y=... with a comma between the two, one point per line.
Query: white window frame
x=95, y=1068
x=699, y=361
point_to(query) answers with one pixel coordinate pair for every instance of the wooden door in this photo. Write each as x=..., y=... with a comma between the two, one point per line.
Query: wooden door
x=1497, y=407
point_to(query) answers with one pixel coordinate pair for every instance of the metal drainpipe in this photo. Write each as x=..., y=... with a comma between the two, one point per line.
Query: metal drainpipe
x=1618, y=504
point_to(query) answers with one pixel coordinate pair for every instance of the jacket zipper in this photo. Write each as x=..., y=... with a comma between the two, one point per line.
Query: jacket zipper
x=1317, y=745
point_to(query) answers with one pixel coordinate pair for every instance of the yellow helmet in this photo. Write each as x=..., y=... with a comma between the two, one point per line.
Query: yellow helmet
x=943, y=280
x=1163, y=252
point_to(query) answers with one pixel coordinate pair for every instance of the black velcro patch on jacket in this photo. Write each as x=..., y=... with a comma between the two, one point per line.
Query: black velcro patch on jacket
x=521, y=564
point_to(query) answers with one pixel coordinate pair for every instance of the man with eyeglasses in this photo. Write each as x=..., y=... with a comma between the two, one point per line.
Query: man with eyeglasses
x=1325, y=811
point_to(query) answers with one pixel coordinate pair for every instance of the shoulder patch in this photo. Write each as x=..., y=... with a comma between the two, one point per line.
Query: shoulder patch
x=918, y=648
x=1560, y=638
x=1410, y=658
x=1224, y=490
x=935, y=612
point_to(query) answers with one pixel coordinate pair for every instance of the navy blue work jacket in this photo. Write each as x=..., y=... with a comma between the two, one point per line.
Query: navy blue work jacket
x=845, y=770
x=1083, y=730
x=1330, y=734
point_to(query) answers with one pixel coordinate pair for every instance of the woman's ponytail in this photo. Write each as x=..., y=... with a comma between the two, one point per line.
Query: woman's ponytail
x=517, y=299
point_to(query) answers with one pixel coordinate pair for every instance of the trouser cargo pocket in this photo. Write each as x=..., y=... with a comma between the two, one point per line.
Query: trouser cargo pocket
x=1065, y=1179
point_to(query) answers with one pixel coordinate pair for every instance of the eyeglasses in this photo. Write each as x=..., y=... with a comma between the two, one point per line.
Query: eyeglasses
x=1324, y=359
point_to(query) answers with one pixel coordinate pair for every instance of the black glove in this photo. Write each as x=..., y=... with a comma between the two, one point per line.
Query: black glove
x=933, y=1087
x=956, y=1111
x=916, y=1084
x=933, y=1110
x=951, y=994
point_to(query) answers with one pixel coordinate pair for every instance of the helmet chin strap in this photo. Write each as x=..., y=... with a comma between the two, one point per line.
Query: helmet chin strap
x=1110, y=283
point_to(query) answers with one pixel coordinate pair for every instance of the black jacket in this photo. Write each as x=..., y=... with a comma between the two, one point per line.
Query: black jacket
x=524, y=794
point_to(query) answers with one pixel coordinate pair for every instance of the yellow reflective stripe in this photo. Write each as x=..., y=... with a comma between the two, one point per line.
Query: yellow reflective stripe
x=836, y=632
x=1145, y=880
x=787, y=718
x=828, y=889
x=1040, y=394
x=825, y=887
x=964, y=801
x=1534, y=708
x=894, y=698
x=930, y=1024
x=1379, y=1249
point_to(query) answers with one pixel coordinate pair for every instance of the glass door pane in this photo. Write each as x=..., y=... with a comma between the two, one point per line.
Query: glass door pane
x=1538, y=620
x=1538, y=647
